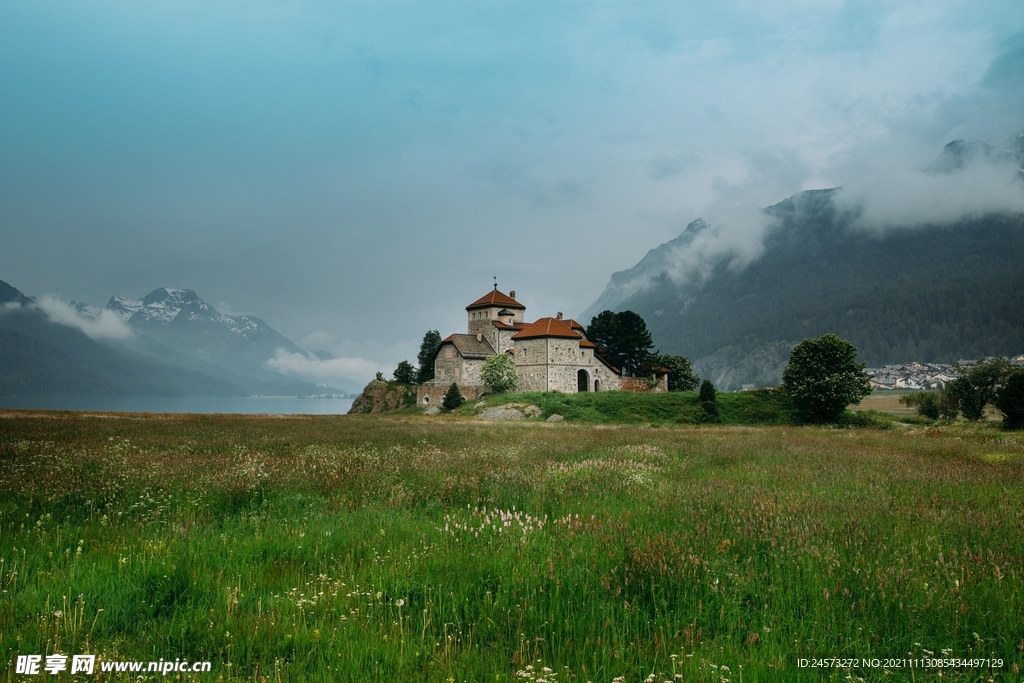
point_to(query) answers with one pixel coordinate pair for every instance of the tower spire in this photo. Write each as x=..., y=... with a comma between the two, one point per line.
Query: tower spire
x=495, y=281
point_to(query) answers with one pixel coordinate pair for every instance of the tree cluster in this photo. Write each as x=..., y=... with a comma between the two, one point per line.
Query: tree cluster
x=993, y=382
x=623, y=340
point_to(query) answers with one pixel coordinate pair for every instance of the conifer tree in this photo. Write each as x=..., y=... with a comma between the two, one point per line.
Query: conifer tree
x=452, y=398
x=428, y=349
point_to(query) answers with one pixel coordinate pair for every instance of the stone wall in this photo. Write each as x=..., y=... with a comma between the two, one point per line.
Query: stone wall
x=644, y=384
x=450, y=366
x=432, y=393
x=531, y=364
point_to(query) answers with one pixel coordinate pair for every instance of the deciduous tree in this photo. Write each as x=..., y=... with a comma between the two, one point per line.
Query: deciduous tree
x=1010, y=400
x=823, y=377
x=976, y=386
x=405, y=373
x=680, y=371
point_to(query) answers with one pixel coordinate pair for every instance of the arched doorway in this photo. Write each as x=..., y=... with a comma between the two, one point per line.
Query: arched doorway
x=582, y=381
x=597, y=385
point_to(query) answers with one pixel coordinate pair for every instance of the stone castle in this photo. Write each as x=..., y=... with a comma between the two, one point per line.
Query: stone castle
x=551, y=354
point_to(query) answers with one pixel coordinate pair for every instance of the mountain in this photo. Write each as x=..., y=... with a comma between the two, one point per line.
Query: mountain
x=182, y=321
x=179, y=346
x=935, y=293
x=42, y=357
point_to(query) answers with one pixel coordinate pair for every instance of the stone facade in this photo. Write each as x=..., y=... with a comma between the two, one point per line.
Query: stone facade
x=551, y=354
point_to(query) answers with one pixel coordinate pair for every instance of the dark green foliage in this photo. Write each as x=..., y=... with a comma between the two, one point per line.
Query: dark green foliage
x=380, y=376
x=823, y=377
x=707, y=391
x=603, y=331
x=680, y=371
x=622, y=339
x=937, y=294
x=452, y=398
x=926, y=403
x=976, y=387
x=1010, y=400
x=948, y=409
x=428, y=349
x=405, y=373
x=708, y=400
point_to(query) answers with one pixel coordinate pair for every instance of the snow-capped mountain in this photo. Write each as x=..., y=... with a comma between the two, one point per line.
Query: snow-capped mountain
x=167, y=306
x=180, y=319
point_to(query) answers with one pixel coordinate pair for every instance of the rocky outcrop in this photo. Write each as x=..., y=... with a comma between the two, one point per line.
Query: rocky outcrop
x=382, y=397
x=501, y=413
x=510, y=411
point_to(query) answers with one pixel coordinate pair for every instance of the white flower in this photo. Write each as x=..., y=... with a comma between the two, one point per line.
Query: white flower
x=399, y=602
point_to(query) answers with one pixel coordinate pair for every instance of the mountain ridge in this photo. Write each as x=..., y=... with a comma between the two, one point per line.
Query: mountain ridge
x=939, y=292
x=178, y=346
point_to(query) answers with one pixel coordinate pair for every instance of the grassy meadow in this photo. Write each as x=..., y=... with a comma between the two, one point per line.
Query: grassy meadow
x=406, y=548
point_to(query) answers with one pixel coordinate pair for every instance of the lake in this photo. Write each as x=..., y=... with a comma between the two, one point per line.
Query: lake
x=276, y=405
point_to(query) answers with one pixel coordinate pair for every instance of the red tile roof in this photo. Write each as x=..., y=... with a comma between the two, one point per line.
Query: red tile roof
x=547, y=327
x=514, y=326
x=587, y=344
x=495, y=298
x=574, y=325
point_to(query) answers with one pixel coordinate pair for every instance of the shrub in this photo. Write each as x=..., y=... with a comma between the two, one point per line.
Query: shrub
x=499, y=373
x=1010, y=400
x=708, y=400
x=926, y=403
x=707, y=391
x=405, y=373
x=823, y=377
x=452, y=398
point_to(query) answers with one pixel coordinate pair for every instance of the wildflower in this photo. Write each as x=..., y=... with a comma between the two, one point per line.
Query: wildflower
x=399, y=602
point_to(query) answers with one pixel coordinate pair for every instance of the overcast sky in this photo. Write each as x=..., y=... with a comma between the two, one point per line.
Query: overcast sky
x=356, y=173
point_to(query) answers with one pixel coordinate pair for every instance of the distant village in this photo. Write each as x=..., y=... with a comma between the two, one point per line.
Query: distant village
x=921, y=375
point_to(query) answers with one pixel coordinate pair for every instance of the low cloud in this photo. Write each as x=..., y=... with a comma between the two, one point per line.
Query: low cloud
x=735, y=216
x=323, y=371
x=101, y=324
x=888, y=195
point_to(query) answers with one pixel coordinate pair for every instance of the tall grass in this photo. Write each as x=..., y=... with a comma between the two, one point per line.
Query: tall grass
x=403, y=548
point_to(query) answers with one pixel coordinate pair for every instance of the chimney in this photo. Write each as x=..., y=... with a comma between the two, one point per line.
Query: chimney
x=559, y=316
x=512, y=294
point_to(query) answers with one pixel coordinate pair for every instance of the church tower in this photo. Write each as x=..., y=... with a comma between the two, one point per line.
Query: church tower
x=493, y=307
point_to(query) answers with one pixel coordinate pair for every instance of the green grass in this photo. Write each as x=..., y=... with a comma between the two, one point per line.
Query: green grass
x=759, y=407
x=369, y=548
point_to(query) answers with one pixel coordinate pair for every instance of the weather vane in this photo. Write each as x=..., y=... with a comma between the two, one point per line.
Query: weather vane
x=495, y=281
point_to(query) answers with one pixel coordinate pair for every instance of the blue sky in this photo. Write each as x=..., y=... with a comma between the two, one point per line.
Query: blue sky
x=356, y=173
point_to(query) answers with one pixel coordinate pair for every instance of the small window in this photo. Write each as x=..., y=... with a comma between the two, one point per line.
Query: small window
x=426, y=399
